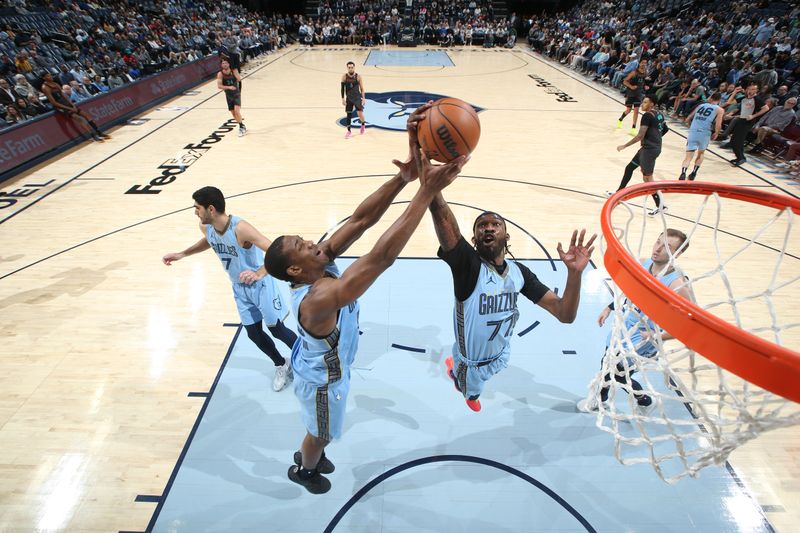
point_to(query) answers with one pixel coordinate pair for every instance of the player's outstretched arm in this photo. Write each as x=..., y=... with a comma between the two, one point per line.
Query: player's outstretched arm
x=375, y=205
x=200, y=246
x=575, y=258
x=331, y=295
x=247, y=235
x=637, y=139
x=445, y=223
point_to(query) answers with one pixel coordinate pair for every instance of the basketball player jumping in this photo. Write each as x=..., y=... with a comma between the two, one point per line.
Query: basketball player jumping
x=486, y=290
x=669, y=245
x=257, y=297
x=61, y=104
x=353, y=97
x=325, y=302
x=704, y=118
x=228, y=81
x=652, y=128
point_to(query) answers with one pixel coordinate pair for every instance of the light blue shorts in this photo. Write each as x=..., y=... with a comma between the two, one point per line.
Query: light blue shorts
x=472, y=379
x=260, y=301
x=697, y=141
x=323, y=407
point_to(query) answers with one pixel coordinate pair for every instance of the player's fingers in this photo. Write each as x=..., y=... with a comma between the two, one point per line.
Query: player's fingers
x=458, y=163
x=589, y=253
x=591, y=241
x=422, y=160
x=572, y=240
x=580, y=237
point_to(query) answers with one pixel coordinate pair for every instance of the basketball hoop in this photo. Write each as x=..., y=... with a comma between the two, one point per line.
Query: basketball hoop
x=723, y=380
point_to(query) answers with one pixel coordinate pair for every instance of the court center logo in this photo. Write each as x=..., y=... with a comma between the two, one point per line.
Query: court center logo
x=390, y=111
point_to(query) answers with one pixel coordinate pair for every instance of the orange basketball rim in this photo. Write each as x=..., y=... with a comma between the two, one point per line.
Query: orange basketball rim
x=763, y=363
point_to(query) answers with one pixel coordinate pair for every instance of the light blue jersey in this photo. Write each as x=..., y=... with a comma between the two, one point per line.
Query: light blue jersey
x=234, y=258
x=261, y=300
x=703, y=121
x=701, y=128
x=484, y=324
x=637, y=322
x=322, y=367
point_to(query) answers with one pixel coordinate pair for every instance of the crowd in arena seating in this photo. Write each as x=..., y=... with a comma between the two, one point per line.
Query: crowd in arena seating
x=92, y=48
x=690, y=51
x=432, y=22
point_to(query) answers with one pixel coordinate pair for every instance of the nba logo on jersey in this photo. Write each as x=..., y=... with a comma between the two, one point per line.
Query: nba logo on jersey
x=390, y=111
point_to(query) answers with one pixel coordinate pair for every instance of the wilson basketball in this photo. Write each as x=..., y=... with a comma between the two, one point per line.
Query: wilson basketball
x=450, y=129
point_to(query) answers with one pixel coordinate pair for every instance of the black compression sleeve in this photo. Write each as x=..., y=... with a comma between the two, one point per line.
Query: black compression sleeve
x=465, y=265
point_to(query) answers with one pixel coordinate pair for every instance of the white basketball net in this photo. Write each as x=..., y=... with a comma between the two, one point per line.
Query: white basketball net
x=700, y=413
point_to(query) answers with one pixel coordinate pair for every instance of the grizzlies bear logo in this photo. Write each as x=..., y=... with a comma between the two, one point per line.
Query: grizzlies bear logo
x=390, y=111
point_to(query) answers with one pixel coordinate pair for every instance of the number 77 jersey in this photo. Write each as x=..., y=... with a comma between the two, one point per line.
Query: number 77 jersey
x=234, y=258
x=484, y=322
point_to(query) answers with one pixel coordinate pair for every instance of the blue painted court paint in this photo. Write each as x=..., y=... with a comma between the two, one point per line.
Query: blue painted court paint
x=398, y=58
x=390, y=110
x=402, y=408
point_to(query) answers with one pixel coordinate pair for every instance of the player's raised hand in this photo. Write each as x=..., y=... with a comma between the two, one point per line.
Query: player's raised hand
x=601, y=319
x=437, y=177
x=408, y=168
x=578, y=254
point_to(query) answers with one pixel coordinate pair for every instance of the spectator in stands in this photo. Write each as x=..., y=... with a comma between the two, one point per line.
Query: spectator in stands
x=40, y=62
x=22, y=63
x=25, y=111
x=13, y=116
x=35, y=104
x=696, y=95
x=78, y=73
x=7, y=95
x=7, y=66
x=88, y=87
x=77, y=93
x=767, y=77
x=115, y=80
x=22, y=87
x=99, y=85
x=774, y=121
x=64, y=75
x=764, y=31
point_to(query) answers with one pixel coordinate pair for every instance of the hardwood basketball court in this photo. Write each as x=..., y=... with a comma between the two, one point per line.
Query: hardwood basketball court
x=103, y=343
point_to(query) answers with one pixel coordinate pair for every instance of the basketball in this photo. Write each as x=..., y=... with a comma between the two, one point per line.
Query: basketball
x=450, y=129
